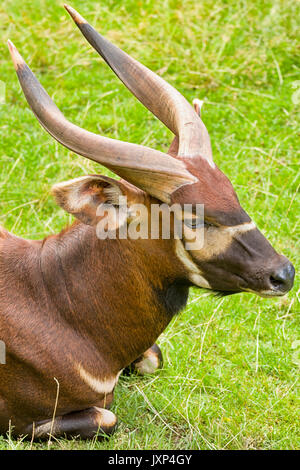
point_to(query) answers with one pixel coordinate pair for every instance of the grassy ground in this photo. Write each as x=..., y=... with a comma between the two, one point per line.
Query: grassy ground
x=231, y=365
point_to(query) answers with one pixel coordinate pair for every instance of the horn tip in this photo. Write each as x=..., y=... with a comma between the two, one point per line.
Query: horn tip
x=198, y=105
x=75, y=15
x=16, y=56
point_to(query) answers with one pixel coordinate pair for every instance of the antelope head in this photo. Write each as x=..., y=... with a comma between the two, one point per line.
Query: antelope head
x=235, y=256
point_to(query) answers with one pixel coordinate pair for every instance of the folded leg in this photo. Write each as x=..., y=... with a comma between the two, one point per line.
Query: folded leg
x=85, y=424
x=148, y=362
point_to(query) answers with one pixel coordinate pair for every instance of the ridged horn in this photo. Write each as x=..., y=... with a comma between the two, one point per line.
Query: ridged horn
x=155, y=172
x=164, y=101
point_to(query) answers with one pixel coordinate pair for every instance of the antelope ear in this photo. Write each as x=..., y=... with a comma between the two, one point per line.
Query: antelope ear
x=82, y=197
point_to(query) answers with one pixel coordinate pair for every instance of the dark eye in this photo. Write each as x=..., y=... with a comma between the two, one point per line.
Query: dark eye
x=209, y=224
x=193, y=223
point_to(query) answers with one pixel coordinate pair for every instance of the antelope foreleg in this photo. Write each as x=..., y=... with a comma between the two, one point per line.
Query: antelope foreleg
x=84, y=424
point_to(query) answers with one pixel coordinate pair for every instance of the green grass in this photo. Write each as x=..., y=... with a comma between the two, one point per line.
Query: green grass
x=231, y=365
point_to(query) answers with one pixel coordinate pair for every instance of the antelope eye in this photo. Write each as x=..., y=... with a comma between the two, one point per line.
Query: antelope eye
x=193, y=223
x=209, y=224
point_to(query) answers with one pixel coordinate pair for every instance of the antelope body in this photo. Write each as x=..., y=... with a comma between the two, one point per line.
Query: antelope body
x=76, y=310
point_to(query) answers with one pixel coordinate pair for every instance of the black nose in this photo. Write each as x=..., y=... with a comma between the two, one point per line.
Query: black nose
x=282, y=278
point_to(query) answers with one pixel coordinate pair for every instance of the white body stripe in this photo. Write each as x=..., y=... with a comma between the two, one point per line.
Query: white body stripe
x=100, y=386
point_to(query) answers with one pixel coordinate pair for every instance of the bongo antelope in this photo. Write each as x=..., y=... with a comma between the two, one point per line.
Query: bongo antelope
x=76, y=310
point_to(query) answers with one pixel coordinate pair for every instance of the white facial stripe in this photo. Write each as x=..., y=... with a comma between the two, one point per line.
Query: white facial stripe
x=99, y=386
x=237, y=229
x=195, y=275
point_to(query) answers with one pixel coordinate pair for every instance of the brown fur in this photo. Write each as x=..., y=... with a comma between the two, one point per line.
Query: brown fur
x=74, y=299
x=76, y=310
x=60, y=303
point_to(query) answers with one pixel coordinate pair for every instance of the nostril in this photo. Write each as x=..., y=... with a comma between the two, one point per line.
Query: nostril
x=283, y=278
x=276, y=282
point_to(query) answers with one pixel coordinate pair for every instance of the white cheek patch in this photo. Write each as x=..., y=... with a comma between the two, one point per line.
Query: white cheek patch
x=99, y=386
x=195, y=274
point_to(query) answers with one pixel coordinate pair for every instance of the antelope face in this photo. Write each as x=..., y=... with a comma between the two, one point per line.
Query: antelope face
x=235, y=256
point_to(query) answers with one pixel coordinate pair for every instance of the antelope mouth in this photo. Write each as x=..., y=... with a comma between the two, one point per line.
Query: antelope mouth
x=261, y=293
x=268, y=293
x=276, y=285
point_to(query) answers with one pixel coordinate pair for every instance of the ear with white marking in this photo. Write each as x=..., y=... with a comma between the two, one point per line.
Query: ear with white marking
x=84, y=198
